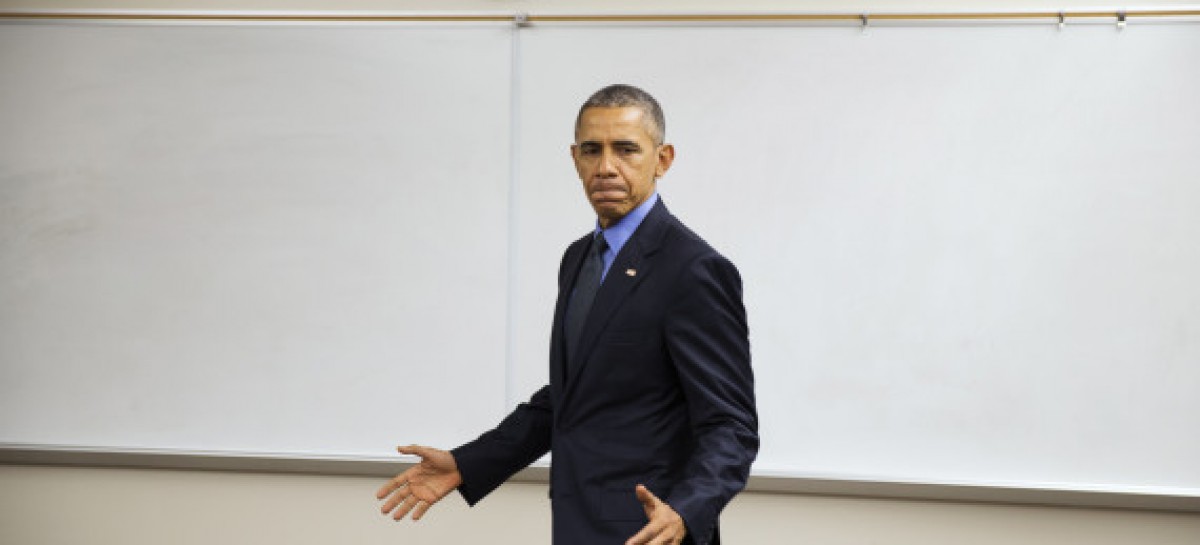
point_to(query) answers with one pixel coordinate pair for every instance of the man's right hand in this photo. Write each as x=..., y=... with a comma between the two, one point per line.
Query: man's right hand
x=422, y=485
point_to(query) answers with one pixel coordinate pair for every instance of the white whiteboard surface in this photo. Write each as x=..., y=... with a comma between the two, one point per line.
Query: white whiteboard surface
x=252, y=238
x=969, y=252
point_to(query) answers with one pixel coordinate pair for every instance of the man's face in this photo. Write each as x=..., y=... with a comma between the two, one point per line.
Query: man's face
x=617, y=160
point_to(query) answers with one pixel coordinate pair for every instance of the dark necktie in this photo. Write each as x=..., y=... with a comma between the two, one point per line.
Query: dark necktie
x=586, y=285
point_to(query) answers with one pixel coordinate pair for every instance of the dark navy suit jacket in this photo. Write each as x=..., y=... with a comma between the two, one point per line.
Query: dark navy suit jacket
x=662, y=395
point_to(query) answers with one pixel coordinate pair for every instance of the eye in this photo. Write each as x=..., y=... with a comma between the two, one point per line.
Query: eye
x=589, y=149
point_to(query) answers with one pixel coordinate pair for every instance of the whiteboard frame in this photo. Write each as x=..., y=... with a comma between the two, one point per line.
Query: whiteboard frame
x=1045, y=494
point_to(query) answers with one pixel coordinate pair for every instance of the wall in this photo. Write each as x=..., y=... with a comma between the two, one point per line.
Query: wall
x=41, y=505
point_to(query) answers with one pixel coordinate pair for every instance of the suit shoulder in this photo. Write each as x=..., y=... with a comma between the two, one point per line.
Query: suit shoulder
x=572, y=250
x=577, y=245
x=689, y=245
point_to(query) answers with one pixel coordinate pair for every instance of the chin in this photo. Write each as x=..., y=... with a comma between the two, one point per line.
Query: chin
x=611, y=212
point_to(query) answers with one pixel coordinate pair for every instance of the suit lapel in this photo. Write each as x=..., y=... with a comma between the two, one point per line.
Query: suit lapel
x=629, y=268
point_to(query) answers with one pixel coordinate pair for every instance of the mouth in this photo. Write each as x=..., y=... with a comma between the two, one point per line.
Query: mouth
x=608, y=194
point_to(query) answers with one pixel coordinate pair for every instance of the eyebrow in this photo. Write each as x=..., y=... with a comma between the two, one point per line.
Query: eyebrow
x=614, y=143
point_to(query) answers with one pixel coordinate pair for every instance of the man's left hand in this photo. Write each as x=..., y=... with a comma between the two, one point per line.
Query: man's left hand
x=665, y=527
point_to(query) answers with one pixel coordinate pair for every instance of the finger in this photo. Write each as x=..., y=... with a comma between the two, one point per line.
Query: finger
x=415, y=450
x=405, y=506
x=421, y=509
x=397, y=482
x=664, y=539
x=399, y=496
x=647, y=498
x=644, y=536
x=663, y=536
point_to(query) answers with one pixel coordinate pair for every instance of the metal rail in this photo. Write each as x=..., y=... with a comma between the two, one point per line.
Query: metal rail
x=1117, y=15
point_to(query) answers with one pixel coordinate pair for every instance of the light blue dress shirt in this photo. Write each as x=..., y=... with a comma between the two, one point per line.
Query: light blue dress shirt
x=618, y=233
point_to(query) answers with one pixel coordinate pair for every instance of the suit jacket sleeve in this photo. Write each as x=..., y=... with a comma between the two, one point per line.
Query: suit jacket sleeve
x=708, y=341
x=520, y=439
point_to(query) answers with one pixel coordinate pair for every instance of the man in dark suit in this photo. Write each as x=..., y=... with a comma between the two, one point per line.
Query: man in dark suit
x=649, y=414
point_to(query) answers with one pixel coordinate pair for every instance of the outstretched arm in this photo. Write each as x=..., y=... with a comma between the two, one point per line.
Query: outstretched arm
x=476, y=468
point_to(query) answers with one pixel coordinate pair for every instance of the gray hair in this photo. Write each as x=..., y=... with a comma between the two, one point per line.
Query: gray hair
x=622, y=96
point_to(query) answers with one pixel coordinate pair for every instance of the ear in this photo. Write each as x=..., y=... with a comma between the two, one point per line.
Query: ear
x=666, y=156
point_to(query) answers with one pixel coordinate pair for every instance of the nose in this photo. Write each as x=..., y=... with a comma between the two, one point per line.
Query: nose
x=607, y=167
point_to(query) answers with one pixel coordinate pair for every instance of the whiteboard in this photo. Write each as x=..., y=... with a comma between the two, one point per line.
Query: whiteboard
x=968, y=251
x=281, y=239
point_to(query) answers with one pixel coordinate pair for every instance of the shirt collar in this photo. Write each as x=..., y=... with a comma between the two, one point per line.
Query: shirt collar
x=618, y=233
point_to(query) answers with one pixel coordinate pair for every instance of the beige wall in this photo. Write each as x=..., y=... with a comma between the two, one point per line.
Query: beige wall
x=43, y=505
